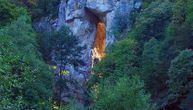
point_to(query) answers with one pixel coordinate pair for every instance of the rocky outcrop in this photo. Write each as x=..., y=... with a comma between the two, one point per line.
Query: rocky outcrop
x=82, y=17
x=100, y=7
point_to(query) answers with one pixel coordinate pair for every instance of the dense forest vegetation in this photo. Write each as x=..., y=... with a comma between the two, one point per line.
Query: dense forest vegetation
x=148, y=68
x=159, y=51
x=25, y=80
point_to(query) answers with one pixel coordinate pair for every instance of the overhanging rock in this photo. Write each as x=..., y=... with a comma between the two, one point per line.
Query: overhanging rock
x=100, y=7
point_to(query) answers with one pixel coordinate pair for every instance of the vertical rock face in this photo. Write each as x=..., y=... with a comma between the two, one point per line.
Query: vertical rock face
x=84, y=16
x=91, y=21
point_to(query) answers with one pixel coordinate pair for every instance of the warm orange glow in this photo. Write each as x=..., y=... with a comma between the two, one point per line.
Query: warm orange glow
x=100, y=41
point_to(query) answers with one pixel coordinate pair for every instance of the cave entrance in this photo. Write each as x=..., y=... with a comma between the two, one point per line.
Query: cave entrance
x=98, y=50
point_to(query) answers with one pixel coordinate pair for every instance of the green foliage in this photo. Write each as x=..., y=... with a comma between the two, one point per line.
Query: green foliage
x=25, y=80
x=45, y=8
x=44, y=40
x=124, y=57
x=40, y=8
x=8, y=12
x=72, y=105
x=152, y=21
x=179, y=31
x=180, y=74
x=146, y=3
x=160, y=43
x=64, y=45
x=65, y=48
x=127, y=93
x=152, y=72
x=162, y=30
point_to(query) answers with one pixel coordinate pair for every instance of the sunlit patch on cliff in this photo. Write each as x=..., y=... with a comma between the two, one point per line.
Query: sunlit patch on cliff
x=100, y=43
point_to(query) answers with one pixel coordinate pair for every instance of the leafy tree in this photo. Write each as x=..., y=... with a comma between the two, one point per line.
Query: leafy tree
x=146, y=3
x=65, y=46
x=124, y=57
x=40, y=8
x=46, y=8
x=162, y=30
x=152, y=21
x=178, y=35
x=180, y=74
x=127, y=93
x=180, y=29
x=8, y=12
x=152, y=71
x=25, y=80
x=72, y=105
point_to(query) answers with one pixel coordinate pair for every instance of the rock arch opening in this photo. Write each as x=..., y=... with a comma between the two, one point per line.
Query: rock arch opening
x=98, y=51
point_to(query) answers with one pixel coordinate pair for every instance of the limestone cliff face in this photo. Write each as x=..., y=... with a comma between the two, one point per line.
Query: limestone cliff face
x=83, y=16
x=91, y=21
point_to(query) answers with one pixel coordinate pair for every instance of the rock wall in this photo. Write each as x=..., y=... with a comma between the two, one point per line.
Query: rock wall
x=82, y=17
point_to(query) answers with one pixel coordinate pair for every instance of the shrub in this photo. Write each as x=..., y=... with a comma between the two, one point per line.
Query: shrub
x=25, y=80
x=40, y=8
x=127, y=93
x=152, y=71
x=64, y=45
x=124, y=57
x=180, y=74
x=8, y=12
x=152, y=21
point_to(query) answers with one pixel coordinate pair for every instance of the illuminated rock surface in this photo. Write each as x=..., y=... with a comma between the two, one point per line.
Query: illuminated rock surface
x=91, y=21
x=100, y=41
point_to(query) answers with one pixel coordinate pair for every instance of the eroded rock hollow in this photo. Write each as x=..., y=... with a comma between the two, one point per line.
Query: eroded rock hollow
x=98, y=52
x=91, y=21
